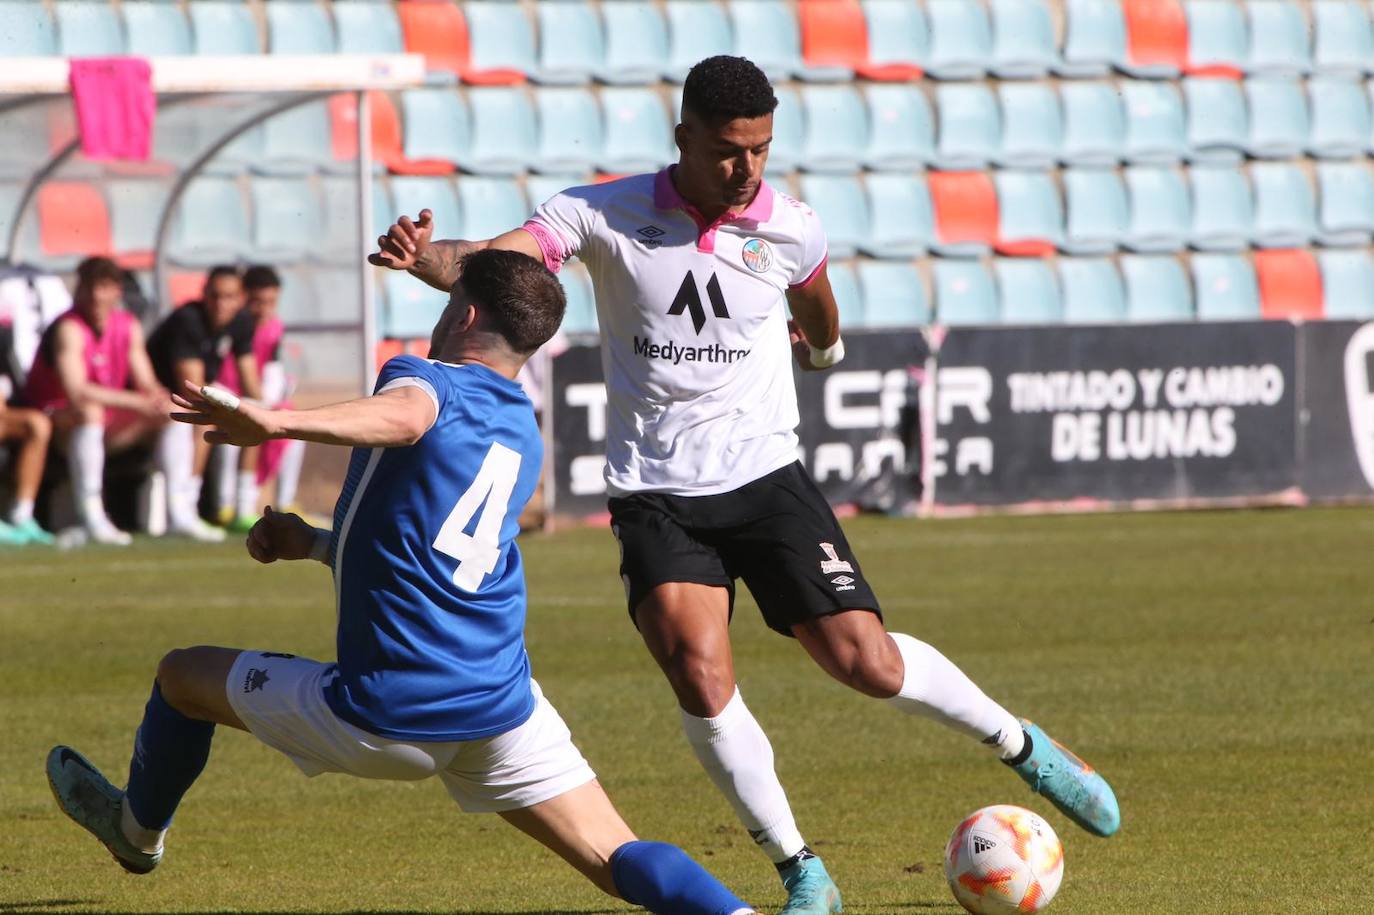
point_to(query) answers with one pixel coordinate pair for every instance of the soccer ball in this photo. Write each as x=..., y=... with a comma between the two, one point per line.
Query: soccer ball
x=1004, y=859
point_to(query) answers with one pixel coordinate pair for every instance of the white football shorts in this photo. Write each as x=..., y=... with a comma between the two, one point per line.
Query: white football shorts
x=281, y=700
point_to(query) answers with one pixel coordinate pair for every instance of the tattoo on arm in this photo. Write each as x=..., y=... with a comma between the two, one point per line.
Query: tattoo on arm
x=437, y=265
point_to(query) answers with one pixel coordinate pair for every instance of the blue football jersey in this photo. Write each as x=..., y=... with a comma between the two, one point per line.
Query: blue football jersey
x=429, y=583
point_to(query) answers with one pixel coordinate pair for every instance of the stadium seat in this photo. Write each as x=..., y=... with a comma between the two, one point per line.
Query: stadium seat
x=965, y=206
x=839, y=201
x=410, y=195
x=155, y=29
x=286, y=220
x=539, y=188
x=1346, y=192
x=297, y=303
x=438, y=31
x=502, y=43
x=1217, y=41
x=437, y=132
x=296, y=142
x=571, y=44
x=970, y=128
x=1156, y=289
x=1097, y=214
x=87, y=29
x=1223, y=216
x=1091, y=291
x=849, y=297
x=1217, y=125
x=73, y=222
x=185, y=286
x=1278, y=118
x=898, y=40
x=638, y=133
x=1155, y=127
x=1279, y=38
x=1347, y=284
x=1094, y=124
x=223, y=27
x=580, y=316
x=766, y=32
x=1156, y=38
x=964, y=293
x=695, y=31
x=135, y=208
x=893, y=294
x=569, y=130
x=1032, y=125
x=1343, y=42
x=1094, y=38
x=491, y=206
x=901, y=220
x=1028, y=292
x=10, y=192
x=299, y=28
x=411, y=308
x=1030, y=214
x=1340, y=117
x=339, y=222
x=1225, y=288
x=246, y=150
x=505, y=135
x=1023, y=43
x=343, y=133
x=25, y=148
x=836, y=129
x=1290, y=284
x=789, y=131
x=636, y=41
x=1160, y=217
x=834, y=39
x=1285, y=211
x=960, y=39
x=29, y=30
x=901, y=128
x=211, y=224
x=368, y=27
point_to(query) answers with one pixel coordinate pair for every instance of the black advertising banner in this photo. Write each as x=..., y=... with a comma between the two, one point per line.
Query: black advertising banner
x=1115, y=414
x=579, y=431
x=1337, y=443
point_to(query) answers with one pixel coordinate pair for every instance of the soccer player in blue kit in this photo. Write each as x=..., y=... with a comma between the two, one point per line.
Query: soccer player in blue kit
x=432, y=677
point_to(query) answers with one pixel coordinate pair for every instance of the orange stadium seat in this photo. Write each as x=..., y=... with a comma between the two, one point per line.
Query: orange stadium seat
x=1156, y=36
x=965, y=205
x=834, y=33
x=73, y=219
x=436, y=29
x=185, y=287
x=387, y=350
x=1290, y=282
x=386, y=129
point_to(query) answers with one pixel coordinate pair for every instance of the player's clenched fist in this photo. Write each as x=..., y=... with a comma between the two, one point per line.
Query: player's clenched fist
x=280, y=536
x=404, y=242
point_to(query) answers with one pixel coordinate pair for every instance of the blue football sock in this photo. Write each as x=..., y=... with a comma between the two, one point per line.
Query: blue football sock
x=170, y=751
x=665, y=880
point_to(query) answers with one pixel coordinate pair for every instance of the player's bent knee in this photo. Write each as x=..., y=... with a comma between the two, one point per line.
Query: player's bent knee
x=184, y=676
x=703, y=687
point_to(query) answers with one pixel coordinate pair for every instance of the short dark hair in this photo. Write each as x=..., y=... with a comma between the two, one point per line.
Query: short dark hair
x=222, y=270
x=518, y=296
x=722, y=88
x=97, y=270
x=261, y=276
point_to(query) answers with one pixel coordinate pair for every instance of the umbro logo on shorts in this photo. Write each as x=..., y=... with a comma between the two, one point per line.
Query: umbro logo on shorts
x=256, y=679
x=843, y=583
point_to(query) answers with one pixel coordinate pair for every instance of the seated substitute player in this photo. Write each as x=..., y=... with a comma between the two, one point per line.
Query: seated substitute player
x=691, y=268
x=189, y=347
x=432, y=677
x=28, y=432
x=91, y=374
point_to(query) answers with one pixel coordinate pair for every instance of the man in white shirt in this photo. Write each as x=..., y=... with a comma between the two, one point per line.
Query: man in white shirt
x=691, y=268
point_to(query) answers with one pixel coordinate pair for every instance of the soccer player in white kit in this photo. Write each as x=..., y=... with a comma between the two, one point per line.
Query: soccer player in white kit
x=691, y=268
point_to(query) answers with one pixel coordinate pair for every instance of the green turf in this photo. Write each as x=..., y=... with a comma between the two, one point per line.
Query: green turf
x=1217, y=667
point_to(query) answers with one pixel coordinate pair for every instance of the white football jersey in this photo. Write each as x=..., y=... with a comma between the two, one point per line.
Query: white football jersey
x=694, y=344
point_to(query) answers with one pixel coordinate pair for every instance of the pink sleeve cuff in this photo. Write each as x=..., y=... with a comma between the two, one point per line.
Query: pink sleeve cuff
x=814, y=273
x=550, y=245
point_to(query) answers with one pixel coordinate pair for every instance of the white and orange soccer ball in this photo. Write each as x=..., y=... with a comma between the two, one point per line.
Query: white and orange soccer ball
x=1002, y=860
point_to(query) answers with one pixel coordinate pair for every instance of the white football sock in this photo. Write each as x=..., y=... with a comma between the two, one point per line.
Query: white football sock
x=86, y=460
x=145, y=840
x=22, y=511
x=289, y=473
x=175, y=452
x=226, y=468
x=739, y=759
x=247, y=505
x=933, y=687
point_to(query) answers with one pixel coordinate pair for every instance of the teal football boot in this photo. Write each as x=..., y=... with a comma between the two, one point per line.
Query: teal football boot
x=1067, y=782
x=96, y=806
x=32, y=533
x=810, y=891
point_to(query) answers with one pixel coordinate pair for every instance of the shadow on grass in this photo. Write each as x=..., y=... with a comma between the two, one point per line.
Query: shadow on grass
x=79, y=906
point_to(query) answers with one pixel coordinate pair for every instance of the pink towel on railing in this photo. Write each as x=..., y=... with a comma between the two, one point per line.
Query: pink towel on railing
x=115, y=106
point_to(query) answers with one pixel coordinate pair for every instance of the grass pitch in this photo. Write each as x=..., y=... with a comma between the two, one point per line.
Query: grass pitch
x=1219, y=668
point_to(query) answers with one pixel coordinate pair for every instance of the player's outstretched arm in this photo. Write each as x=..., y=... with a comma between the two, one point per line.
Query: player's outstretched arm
x=815, y=329
x=409, y=245
x=286, y=536
x=391, y=419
